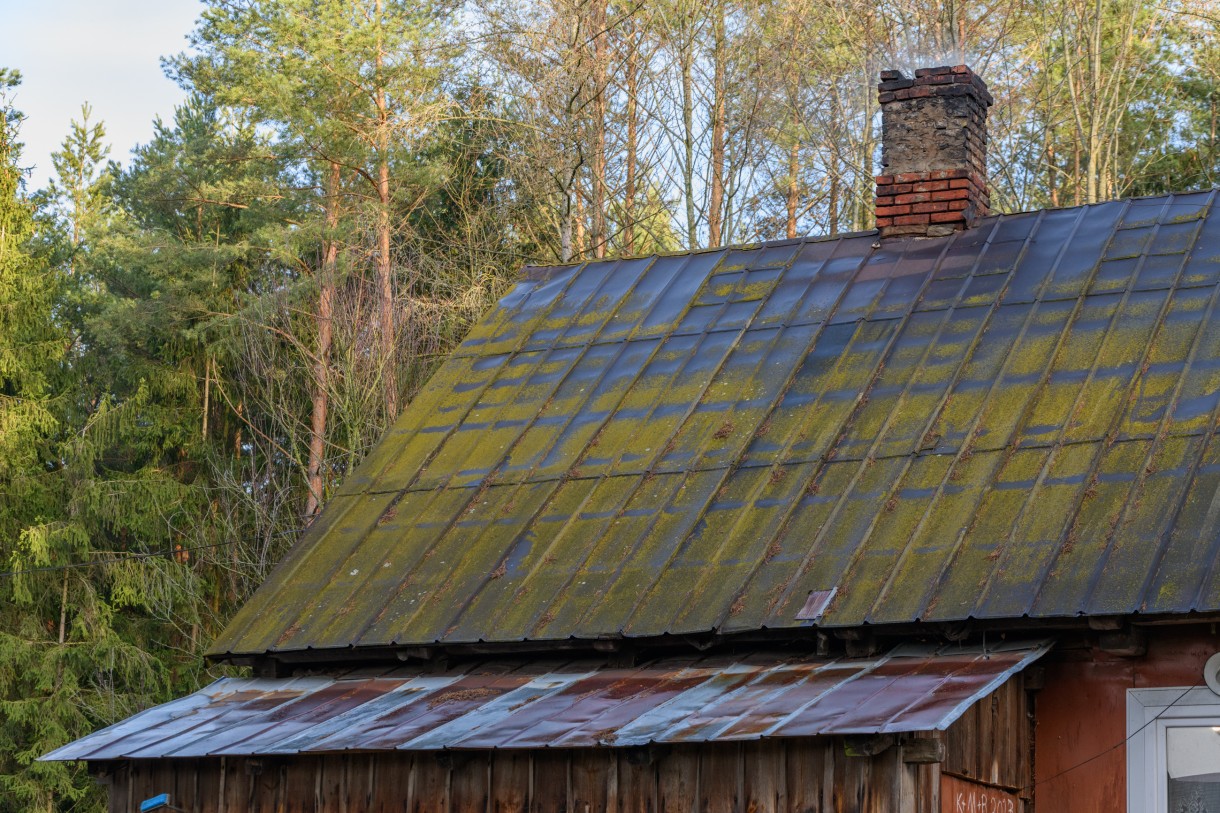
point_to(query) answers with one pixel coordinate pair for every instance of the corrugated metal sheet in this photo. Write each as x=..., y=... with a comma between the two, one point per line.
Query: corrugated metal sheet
x=566, y=705
x=1014, y=421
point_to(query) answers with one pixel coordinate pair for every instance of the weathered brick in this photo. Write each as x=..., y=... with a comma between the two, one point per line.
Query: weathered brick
x=955, y=91
x=890, y=211
x=932, y=168
x=946, y=217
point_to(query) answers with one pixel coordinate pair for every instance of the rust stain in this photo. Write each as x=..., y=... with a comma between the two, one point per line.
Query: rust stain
x=1082, y=710
x=462, y=696
x=587, y=703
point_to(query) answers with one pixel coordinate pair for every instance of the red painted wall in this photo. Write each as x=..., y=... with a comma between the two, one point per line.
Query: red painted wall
x=1080, y=758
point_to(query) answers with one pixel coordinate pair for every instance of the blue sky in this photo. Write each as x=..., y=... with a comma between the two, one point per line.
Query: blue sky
x=104, y=52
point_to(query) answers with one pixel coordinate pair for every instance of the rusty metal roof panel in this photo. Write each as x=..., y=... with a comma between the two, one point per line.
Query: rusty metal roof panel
x=1015, y=420
x=577, y=704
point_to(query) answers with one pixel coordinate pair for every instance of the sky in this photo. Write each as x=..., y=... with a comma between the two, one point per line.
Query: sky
x=105, y=52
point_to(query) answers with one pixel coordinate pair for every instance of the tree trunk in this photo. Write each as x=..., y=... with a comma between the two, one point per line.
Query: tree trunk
x=1052, y=176
x=793, y=190
x=598, y=237
x=207, y=394
x=715, y=208
x=688, y=135
x=833, y=164
x=1093, y=159
x=1076, y=196
x=632, y=77
x=795, y=124
x=237, y=436
x=565, y=228
x=63, y=614
x=385, y=292
x=385, y=282
x=832, y=206
x=579, y=236
x=323, y=317
x=1211, y=139
x=864, y=212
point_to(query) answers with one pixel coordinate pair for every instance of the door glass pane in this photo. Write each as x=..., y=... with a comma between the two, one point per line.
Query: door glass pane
x=1194, y=769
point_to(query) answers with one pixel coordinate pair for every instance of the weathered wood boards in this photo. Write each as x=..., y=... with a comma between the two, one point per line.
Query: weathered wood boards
x=761, y=777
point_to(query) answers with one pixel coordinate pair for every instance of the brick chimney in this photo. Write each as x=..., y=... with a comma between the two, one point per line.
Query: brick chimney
x=933, y=152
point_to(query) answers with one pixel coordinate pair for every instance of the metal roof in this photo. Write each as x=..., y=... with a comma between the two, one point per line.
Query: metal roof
x=566, y=705
x=1017, y=420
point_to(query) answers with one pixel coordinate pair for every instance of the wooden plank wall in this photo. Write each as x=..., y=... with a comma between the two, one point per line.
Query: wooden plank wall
x=776, y=776
x=991, y=743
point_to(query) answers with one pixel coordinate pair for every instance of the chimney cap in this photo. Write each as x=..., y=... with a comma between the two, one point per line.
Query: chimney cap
x=944, y=80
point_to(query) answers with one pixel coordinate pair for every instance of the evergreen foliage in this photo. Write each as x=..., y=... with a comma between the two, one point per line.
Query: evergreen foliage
x=196, y=348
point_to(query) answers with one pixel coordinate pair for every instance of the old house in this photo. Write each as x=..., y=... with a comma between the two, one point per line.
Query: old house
x=915, y=519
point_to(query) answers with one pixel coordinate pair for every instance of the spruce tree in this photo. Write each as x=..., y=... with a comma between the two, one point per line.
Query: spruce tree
x=32, y=538
x=92, y=598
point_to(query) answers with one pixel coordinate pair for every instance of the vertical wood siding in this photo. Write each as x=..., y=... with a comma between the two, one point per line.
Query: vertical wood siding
x=759, y=777
x=990, y=742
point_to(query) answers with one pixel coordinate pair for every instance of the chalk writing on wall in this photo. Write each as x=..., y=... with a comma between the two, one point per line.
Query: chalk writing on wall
x=963, y=796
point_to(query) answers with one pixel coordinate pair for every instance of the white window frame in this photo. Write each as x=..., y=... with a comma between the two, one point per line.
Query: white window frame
x=1150, y=713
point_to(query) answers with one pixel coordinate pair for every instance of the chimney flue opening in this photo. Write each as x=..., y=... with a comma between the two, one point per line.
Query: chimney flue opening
x=933, y=178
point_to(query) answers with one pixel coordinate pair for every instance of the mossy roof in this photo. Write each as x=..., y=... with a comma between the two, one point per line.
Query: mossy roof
x=1018, y=420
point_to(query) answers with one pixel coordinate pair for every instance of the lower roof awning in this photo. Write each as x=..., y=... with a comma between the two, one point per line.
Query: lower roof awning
x=572, y=704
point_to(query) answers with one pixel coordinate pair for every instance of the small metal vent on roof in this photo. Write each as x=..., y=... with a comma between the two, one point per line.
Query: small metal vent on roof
x=816, y=604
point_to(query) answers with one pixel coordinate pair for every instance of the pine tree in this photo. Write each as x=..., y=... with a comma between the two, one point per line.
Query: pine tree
x=353, y=92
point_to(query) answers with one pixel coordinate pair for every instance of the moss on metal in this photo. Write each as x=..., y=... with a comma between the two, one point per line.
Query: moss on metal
x=1016, y=420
